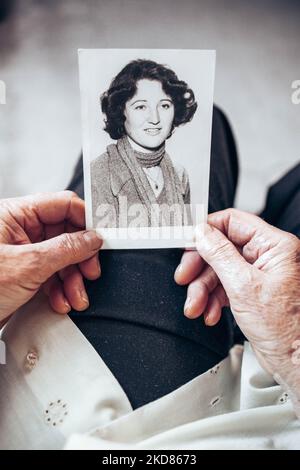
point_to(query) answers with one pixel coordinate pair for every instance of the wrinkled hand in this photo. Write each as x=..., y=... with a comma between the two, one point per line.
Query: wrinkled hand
x=42, y=243
x=255, y=268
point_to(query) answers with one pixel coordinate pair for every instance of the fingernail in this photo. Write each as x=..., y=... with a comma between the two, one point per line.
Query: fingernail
x=67, y=305
x=84, y=297
x=208, y=319
x=187, y=306
x=93, y=238
x=178, y=269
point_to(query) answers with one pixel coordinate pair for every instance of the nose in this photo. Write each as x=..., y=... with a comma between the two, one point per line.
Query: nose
x=154, y=117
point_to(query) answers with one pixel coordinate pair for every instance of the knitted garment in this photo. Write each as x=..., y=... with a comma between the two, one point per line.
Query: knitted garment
x=172, y=184
x=150, y=159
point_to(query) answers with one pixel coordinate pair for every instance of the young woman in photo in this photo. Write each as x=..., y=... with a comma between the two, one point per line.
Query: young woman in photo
x=143, y=105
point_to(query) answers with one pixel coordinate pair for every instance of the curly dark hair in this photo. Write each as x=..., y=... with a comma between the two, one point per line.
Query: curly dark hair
x=124, y=86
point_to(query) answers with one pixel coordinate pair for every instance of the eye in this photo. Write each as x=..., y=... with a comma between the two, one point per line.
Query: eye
x=140, y=107
x=166, y=105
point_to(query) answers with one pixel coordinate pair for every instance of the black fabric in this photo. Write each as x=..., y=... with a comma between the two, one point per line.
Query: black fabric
x=283, y=203
x=135, y=320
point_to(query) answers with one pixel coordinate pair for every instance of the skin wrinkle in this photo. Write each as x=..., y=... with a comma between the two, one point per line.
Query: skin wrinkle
x=255, y=248
x=18, y=274
x=9, y=226
x=283, y=317
x=261, y=244
x=11, y=232
x=18, y=221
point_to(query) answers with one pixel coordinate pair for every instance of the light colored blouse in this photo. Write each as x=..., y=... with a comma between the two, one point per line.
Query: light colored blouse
x=56, y=392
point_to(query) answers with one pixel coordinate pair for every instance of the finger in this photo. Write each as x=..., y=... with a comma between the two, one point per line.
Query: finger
x=91, y=268
x=11, y=231
x=47, y=285
x=53, y=208
x=198, y=292
x=52, y=231
x=237, y=225
x=74, y=288
x=247, y=231
x=54, y=289
x=217, y=300
x=231, y=268
x=32, y=212
x=190, y=267
x=67, y=249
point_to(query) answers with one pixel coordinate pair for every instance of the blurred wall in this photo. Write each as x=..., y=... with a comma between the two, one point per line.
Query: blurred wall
x=258, y=58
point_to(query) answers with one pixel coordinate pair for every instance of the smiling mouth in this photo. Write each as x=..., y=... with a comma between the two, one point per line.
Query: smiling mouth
x=153, y=130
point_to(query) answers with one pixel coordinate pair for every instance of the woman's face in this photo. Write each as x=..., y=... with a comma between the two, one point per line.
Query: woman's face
x=149, y=114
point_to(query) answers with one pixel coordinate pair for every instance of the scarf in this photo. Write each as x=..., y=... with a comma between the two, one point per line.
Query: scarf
x=150, y=159
x=134, y=161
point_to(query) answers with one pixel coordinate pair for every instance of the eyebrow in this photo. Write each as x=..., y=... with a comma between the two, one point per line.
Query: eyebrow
x=145, y=101
x=138, y=101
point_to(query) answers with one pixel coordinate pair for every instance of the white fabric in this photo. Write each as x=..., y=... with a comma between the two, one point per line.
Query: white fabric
x=55, y=392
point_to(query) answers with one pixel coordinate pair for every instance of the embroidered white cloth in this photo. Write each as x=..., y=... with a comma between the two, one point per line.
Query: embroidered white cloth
x=56, y=392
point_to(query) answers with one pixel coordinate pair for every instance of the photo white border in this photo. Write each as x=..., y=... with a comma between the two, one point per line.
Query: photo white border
x=138, y=238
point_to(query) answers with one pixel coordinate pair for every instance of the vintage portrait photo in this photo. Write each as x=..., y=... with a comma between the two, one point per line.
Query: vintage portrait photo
x=146, y=119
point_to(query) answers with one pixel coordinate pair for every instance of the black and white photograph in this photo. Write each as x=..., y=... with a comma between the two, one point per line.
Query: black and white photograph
x=146, y=117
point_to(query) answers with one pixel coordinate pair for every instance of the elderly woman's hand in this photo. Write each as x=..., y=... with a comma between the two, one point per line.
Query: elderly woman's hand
x=42, y=243
x=254, y=267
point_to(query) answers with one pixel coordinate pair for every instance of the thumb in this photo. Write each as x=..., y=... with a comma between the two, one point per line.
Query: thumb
x=66, y=249
x=230, y=267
